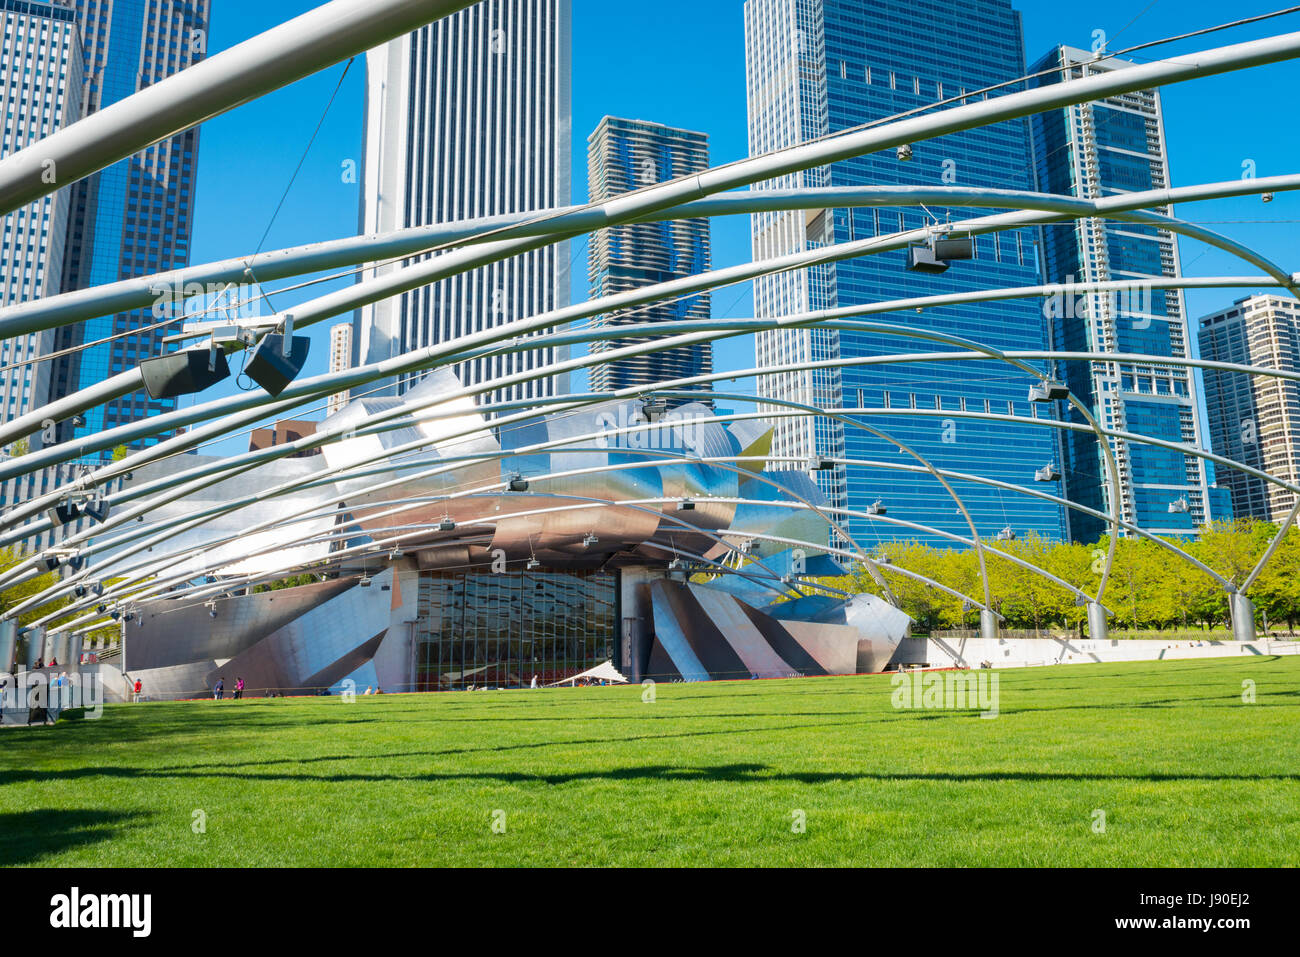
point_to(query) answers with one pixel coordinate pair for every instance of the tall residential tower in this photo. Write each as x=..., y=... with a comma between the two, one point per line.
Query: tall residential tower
x=465, y=118
x=1255, y=420
x=624, y=155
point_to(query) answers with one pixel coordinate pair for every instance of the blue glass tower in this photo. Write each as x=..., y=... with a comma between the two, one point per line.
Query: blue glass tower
x=1091, y=150
x=820, y=66
x=134, y=218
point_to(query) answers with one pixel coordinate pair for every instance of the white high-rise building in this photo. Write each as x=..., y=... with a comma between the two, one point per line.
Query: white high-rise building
x=1255, y=420
x=340, y=360
x=465, y=118
x=784, y=63
x=40, y=92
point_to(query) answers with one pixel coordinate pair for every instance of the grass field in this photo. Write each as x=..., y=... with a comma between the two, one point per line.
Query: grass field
x=1185, y=772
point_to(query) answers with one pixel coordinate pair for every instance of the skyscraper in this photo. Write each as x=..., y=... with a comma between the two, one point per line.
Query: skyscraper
x=135, y=217
x=40, y=92
x=1255, y=420
x=340, y=360
x=1091, y=150
x=815, y=67
x=469, y=117
x=624, y=155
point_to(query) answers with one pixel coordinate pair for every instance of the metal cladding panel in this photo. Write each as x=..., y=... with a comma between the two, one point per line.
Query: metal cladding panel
x=241, y=554
x=740, y=633
x=753, y=438
x=323, y=643
x=835, y=647
x=755, y=591
x=175, y=635
x=670, y=638
x=451, y=428
x=796, y=524
x=783, y=643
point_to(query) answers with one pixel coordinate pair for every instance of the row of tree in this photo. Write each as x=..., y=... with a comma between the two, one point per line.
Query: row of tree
x=1149, y=587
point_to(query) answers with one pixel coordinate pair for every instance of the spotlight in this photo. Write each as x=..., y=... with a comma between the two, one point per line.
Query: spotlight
x=446, y=525
x=820, y=465
x=365, y=581
x=75, y=562
x=1007, y=534
x=1179, y=506
x=65, y=513
x=80, y=591
x=115, y=615
x=518, y=483
x=1047, y=473
x=590, y=540
x=877, y=508
x=936, y=255
x=97, y=511
x=97, y=588
x=50, y=561
x=686, y=505
x=533, y=563
x=1267, y=197
x=212, y=613
x=653, y=408
x=904, y=153
x=100, y=609
x=1049, y=391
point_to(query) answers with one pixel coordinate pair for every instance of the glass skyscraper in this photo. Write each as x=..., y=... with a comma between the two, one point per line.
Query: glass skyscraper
x=40, y=93
x=135, y=217
x=815, y=67
x=1092, y=150
x=624, y=155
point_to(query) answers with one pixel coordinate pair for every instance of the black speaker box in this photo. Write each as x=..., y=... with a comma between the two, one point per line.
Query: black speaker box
x=182, y=373
x=270, y=368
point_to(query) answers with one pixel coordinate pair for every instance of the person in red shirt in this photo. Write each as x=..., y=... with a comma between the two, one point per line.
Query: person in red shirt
x=138, y=686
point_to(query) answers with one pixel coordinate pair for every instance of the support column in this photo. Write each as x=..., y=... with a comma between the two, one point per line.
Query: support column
x=1243, y=617
x=1098, y=629
x=988, y=623
x=8, y=644
x=35, y=646
x=58, y=648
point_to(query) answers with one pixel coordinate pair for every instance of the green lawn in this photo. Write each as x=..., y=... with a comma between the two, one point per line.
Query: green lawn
x=1186, y=773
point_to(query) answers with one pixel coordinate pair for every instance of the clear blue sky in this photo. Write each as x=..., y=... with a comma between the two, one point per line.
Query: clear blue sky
x=694, y=77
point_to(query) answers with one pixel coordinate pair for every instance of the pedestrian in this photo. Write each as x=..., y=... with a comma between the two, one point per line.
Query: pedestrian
x=40, y=663
x=137, y=689
x=534, y=684
x=219, y=689
x=239, y=688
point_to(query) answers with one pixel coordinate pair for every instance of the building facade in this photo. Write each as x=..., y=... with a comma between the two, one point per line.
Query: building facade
x=625, y=155
x=1255, y=420
x=816, y=67
x=469, y=117
x=1093, y=150
x=134, y=218
x=340, y=361
x=40, y=93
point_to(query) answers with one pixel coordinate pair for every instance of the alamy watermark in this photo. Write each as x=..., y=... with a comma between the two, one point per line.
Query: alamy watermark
x=947, y=690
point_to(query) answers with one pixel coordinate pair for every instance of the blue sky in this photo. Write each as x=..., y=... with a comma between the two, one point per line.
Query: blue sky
x=694, y=77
